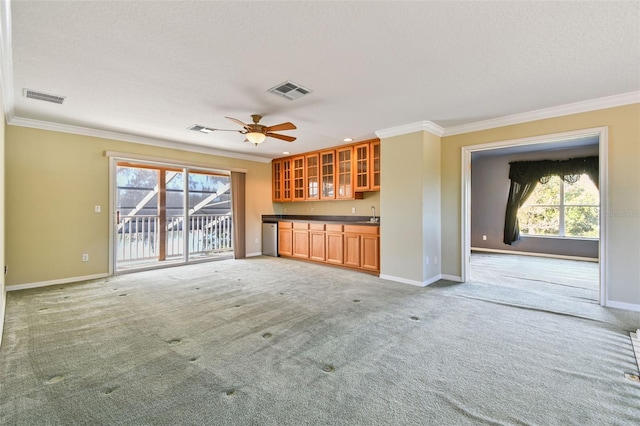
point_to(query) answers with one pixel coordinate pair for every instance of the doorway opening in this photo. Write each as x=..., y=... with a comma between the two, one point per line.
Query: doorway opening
x=167, y=215
x=546, y=143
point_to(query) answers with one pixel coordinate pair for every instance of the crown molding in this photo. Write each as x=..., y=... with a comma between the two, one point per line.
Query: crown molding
x=125, y=137
x=541, y=114
x=426, y=126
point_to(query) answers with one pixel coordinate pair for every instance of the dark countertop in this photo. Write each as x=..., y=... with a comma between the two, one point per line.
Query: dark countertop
x=345, y=220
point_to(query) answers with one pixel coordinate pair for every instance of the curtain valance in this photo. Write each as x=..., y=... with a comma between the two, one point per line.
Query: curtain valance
x=541, y=171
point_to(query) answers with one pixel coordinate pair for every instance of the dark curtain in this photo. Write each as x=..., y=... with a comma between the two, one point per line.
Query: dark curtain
x=518, y=194
x=525, y=175
x=238, y=206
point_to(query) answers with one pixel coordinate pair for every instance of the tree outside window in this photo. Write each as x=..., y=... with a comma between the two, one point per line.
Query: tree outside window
x=562, y=209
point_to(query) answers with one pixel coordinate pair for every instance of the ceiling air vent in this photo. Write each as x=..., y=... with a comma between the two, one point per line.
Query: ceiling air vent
x=201, y=129
x=290, y=90
x=28, y=93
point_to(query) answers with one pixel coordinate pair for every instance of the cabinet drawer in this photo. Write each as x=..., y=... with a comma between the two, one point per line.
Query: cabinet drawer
x=316, y=226
x=284, y=225
x=360, y=229
x=300, y=225
x=332, y=227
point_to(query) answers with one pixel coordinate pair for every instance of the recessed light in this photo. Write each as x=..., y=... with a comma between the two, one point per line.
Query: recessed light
x=285, y=153
x=347, y=140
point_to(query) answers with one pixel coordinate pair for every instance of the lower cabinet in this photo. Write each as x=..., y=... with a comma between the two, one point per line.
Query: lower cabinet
x=301, y=240
x=352, y=250
x=353, y=246
x=370, y=252
x=285, y=239
x=317, y=242
x=335, y=244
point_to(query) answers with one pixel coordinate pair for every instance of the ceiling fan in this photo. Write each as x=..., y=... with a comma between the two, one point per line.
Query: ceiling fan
x=257, y=133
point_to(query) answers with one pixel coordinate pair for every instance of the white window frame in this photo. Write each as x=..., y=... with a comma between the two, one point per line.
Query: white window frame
x=561, y=208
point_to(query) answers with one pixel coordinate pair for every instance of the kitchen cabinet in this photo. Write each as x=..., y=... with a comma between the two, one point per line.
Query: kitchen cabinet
x=362, y=167
x=300, y=237
x=276, y=182
x=313, y=176
x=327, y=175
x=370, y=252
x=298, y=172
x=286, y=179
x=344, y=173
x=353, y=246
x=285, y=239
x=375, y=165
x=352, y=250
x=317, y=242
x=335, y=244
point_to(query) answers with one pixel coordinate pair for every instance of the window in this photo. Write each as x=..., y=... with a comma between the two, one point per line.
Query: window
x=562, y=209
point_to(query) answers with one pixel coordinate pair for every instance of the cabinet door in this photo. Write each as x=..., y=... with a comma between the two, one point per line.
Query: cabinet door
x=352, y=250
x=370, y=252
x=317, y=245
x=344, y=157
x=335, y=248
x=362, y=167
x=287, y=192
x=374, y=152
x=313, y=177
x=298, y=178
x=285, y=240
x=301, y=240
x=327, y=175
x=276, y=182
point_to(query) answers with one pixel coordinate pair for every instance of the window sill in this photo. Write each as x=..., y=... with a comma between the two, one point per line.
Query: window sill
x=557, y=237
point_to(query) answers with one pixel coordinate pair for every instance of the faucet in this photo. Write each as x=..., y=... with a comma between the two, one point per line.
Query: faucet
x=374, y=219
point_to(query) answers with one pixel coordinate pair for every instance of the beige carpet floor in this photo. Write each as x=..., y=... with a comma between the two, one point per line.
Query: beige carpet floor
x=271, y=341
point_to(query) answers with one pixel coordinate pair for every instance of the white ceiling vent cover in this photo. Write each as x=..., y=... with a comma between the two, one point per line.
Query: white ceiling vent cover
x=28, y=93
x=290, y=90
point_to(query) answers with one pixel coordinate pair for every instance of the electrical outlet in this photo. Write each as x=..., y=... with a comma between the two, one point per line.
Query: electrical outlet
x=353, y=209
x=426, y=260
x=255, y=241
x=85, y=257
x=484, y=238
x=97, y=209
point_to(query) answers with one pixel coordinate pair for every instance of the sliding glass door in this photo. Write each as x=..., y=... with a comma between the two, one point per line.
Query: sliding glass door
x=168, y=215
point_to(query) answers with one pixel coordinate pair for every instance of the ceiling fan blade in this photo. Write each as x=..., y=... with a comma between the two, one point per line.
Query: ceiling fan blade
x=235, y=120
x=283, y=137
x=281, y=126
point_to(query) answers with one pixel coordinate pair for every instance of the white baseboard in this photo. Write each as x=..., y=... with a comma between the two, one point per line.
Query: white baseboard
x=55, y=282
x=622, y=305
x=412, y=282
x=401, y=280
x=528, y=253
x=451, y=278
x=254, y=254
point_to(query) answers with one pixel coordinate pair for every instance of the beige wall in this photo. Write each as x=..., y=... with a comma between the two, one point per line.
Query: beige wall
x=53, y=181
x=410, y=200
x=338, y=207
x=623, y=195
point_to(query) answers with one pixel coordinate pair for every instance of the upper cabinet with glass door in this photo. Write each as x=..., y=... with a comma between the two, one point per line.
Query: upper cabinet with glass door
x=341, y=173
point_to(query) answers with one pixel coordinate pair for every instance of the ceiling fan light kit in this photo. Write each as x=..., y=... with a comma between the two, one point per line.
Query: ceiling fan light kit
x=256, y=137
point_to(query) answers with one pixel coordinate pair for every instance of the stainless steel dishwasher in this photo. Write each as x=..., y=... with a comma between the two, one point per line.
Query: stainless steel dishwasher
x=270, y=239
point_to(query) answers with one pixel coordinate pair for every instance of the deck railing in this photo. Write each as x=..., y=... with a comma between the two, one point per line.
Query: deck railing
x=138, y=237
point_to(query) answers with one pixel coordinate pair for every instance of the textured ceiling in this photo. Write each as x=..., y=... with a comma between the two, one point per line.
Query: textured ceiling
x=154, y=68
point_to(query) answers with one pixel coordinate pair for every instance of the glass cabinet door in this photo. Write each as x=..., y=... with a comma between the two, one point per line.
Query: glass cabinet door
x=327, y=175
